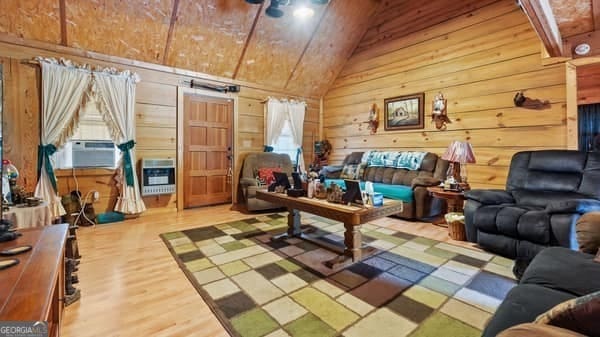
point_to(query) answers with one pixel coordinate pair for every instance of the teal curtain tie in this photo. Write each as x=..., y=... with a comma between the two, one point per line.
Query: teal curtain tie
x=298, y=153
x=44, y=153
x=127, y=166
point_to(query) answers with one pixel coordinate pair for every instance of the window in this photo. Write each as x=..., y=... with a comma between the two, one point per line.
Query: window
x=285, y=143
x=91, y=127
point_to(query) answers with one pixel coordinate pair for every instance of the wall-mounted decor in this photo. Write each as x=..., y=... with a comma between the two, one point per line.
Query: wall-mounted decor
x=373, y=120
x=438, y=112
x=523, y=101
x=404, y=112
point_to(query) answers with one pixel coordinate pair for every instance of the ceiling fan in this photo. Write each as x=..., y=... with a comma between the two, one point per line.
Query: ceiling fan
x=302, y=9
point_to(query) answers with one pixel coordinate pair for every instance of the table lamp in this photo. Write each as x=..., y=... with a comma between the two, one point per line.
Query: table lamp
x=458, y=154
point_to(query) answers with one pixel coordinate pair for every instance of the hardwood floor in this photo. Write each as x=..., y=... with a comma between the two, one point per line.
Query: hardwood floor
x=131, y=286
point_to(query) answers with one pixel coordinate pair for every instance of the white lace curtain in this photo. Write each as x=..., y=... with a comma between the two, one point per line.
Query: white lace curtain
x=276, y=117
x=64, y=89
x=280, y=111
x=116, y=97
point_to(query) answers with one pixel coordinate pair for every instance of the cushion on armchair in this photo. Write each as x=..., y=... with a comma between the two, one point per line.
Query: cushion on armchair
x=588, y=232
x=579, y=314
x=562, y=269
x=265, y=175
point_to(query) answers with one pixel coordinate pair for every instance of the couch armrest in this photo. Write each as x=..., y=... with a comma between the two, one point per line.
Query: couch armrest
x=490, y=197
x=245, y=182
x=425, y=181
x=580, y=206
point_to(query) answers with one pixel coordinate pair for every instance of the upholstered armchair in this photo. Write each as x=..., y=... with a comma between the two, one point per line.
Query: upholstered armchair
x=248, y=180
x=546, y=193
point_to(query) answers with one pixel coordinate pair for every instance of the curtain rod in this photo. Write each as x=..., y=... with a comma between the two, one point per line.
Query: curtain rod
x=31, y=62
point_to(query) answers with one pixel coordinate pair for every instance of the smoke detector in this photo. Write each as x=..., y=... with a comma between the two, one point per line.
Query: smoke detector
x=582, y=49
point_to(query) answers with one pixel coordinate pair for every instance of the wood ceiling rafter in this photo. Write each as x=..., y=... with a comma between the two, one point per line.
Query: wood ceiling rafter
x=250, y=34
x=544, y=23
x=63, y=22
x=312, y=36
x=171, y=28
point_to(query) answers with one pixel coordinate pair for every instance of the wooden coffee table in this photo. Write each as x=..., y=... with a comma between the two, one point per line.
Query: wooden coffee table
x=352, y=217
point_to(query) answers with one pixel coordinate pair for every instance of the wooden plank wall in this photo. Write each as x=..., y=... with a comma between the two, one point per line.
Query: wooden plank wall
x=478, y=61
x=156, y=110
x=588, y=84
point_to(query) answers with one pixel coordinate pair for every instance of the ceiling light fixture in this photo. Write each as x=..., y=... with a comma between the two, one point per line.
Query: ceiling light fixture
x=302, y=10
x=582, y=49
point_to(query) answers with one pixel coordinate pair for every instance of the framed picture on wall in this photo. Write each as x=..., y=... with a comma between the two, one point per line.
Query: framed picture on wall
x=404, y=112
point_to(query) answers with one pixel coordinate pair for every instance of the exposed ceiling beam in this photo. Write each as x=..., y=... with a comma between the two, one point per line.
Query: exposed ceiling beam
x=171, y=29
x=544, y=23
x=596, y=13
x=250, y=34
x=63, y=22
x=312, y=36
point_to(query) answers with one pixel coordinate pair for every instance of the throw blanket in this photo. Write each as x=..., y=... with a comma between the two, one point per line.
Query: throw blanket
x=407, y=160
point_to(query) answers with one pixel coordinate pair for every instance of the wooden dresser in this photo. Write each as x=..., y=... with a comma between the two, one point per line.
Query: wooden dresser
x=33, y=290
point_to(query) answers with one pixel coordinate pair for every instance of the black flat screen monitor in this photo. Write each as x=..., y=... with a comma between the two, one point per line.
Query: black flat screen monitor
x=281, y=179
x=353, y=193
x=297, y=180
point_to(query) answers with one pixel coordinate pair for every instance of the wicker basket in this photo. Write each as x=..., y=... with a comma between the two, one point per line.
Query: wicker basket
x=456, y=230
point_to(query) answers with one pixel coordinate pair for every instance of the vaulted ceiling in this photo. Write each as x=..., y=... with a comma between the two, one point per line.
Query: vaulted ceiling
x=227, y=38
x=236, y=40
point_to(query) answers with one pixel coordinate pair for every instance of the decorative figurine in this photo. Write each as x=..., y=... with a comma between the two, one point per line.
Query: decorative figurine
x=373, y=119
x=438, y=113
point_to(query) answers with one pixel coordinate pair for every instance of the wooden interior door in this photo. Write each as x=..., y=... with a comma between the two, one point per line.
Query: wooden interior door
x=207, y=134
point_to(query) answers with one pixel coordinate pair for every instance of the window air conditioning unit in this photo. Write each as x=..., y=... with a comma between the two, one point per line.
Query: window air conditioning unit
x=94, y=153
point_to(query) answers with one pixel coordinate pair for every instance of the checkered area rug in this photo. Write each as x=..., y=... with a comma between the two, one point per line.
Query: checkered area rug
x=412, y=286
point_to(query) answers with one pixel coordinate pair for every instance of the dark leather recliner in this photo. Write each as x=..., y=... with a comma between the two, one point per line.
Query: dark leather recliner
x=546, y=192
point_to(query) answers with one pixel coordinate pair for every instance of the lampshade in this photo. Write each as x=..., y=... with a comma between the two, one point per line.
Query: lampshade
x=459, y=152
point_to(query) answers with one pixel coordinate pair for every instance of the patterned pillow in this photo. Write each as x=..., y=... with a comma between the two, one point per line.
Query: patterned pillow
x=410, y=160
x=390, y=159
x=350, y=171
x=265, y=175
x=579, y=314
x=377, y=159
